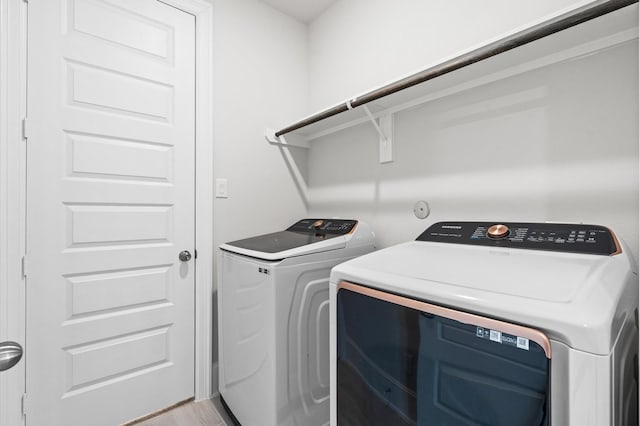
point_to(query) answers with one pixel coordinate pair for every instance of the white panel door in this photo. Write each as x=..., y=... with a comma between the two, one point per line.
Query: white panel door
x=110, y=205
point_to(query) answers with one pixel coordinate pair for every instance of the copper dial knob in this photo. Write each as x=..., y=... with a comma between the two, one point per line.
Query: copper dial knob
x=318, y=223
x=498, y=231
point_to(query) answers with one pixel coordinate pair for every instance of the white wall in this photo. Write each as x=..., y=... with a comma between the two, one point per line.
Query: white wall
x=569, y=132
x=260, y=67
x=357, y=45
x=260, y=79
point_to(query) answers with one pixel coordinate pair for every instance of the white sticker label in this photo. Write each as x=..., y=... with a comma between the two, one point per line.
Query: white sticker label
x=523, y=343
x=503, y=338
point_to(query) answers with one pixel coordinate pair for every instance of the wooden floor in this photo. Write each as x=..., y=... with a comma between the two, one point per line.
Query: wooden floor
x=202, y=413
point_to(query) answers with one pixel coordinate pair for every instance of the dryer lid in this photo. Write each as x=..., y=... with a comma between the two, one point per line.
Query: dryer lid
x=303, y=237
x=280, y=241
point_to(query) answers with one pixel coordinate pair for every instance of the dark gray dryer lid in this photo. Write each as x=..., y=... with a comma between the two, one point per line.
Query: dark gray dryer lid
x=303, y=233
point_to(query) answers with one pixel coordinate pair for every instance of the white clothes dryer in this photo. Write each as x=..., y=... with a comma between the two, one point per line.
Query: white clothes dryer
x=273, y=305
x=484, y=323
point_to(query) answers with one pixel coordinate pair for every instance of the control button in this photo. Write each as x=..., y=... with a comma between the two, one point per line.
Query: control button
x=498, y=231
x=318, y=223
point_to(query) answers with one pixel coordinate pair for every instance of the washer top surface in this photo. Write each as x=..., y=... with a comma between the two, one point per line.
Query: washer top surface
x=280, y=241
x=303, y=237
x=580, y=299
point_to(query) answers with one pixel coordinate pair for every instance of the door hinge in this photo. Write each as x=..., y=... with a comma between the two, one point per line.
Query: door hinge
x=25, y=266
x=25, y=129
x=24, y=404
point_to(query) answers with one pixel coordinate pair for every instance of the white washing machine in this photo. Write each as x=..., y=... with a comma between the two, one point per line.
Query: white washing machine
x=273, y=304
x=485, y=323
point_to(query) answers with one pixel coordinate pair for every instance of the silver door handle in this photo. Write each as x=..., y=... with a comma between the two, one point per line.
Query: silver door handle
x=184, y=256
x=10, y=354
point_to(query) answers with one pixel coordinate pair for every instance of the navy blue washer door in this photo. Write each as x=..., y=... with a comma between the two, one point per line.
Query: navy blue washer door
x=401, y=366
x=464, y=379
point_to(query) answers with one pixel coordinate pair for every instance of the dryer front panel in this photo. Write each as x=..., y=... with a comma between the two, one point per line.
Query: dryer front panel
x=402, y=361
x=246, y=337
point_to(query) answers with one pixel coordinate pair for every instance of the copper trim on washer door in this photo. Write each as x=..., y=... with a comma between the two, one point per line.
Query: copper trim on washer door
x=354, y=228
x=463, y=317
x=616, y=242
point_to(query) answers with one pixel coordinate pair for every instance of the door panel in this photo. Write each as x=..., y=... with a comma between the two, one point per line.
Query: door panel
x=110, y=204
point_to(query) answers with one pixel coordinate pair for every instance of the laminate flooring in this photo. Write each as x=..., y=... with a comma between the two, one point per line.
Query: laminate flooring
x=202, y=413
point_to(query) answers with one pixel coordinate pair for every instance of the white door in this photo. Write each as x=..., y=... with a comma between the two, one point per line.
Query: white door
x=110, y=205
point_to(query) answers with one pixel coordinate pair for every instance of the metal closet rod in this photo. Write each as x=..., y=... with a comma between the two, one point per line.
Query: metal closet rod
x=521, y=38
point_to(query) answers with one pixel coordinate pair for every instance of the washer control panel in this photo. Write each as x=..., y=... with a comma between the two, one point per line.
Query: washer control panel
x=572, y=238
x=323, y=226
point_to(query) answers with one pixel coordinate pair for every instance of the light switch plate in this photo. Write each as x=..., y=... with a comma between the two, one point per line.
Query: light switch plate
x=221, y=188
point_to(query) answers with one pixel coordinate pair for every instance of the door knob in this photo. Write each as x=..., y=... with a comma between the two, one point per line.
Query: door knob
x=10, y=354
x=184, y=256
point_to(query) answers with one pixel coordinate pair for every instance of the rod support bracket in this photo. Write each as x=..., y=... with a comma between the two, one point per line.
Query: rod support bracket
x=384, y=127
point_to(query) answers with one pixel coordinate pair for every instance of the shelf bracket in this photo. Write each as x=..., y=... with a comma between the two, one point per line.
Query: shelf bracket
x=384, y=127
x=290, y=140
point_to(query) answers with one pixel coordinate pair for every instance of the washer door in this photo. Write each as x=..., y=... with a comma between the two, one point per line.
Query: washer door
x=404, y=362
